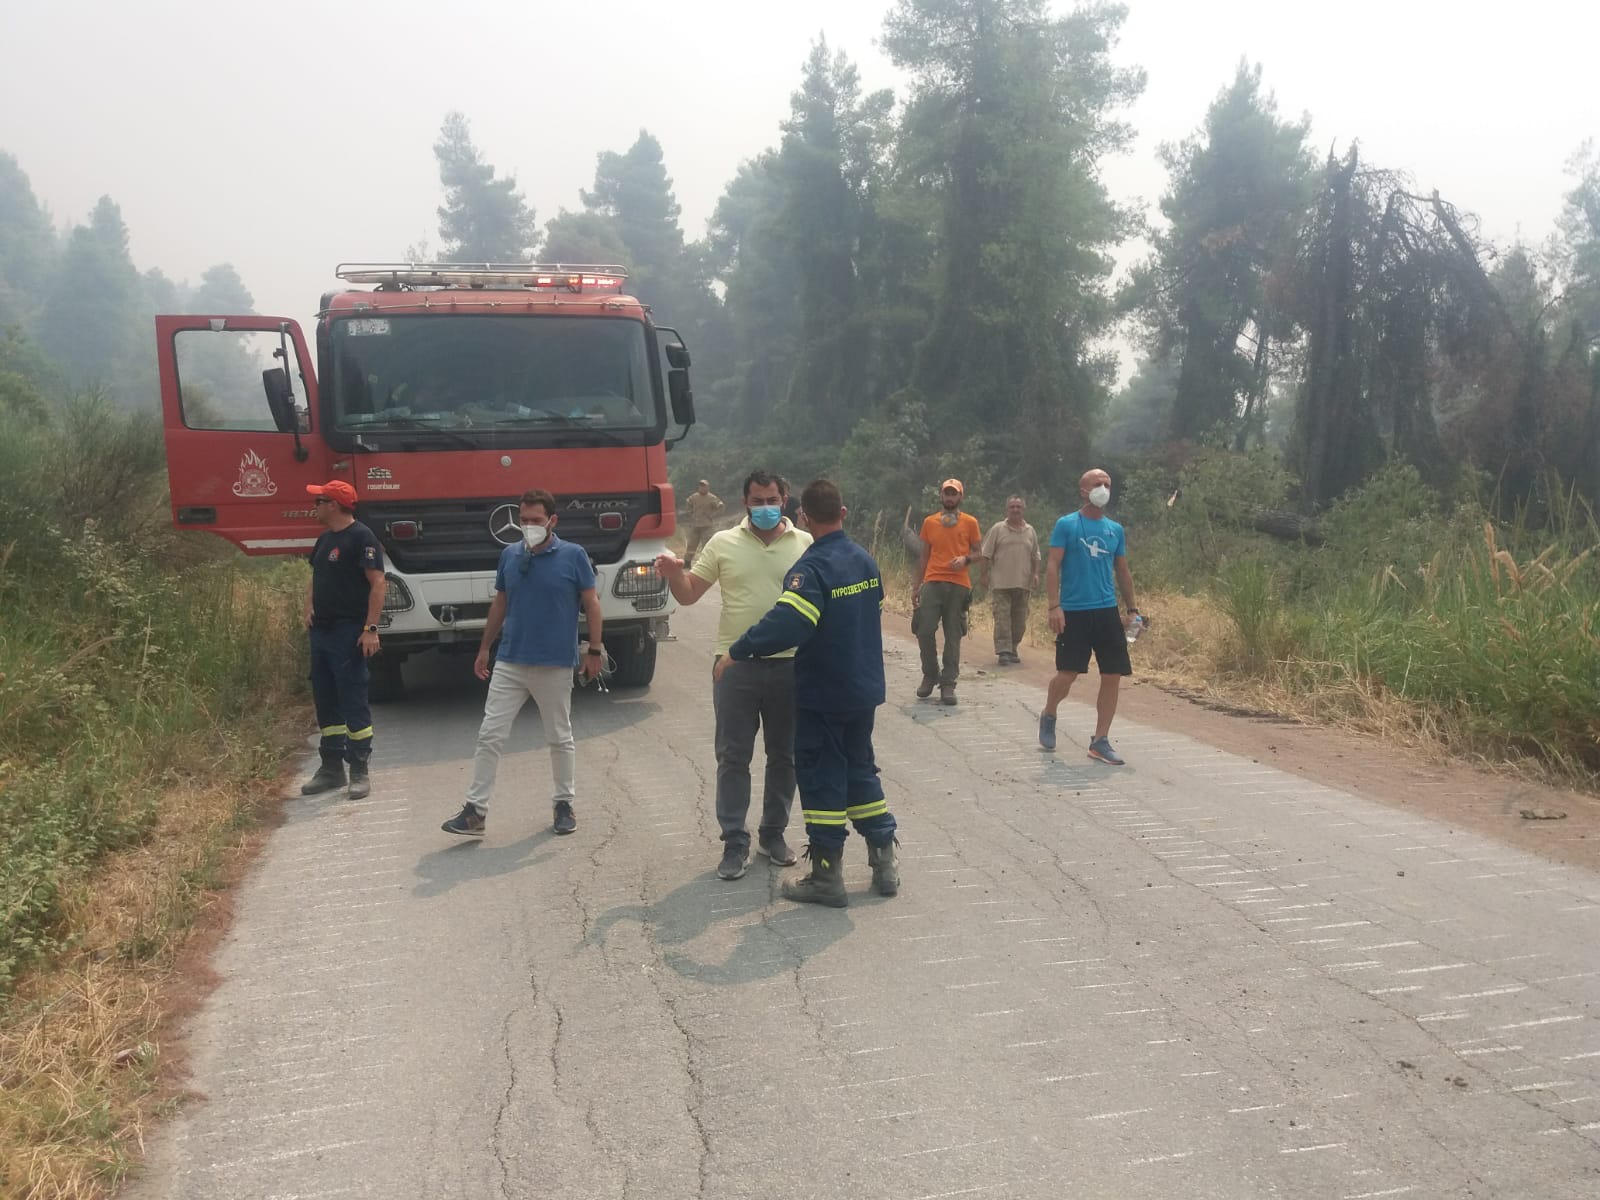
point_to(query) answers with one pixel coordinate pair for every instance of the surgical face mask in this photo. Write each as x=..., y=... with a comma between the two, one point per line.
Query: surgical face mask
x=533, y=536
x=1100, y=495
x=766, y=516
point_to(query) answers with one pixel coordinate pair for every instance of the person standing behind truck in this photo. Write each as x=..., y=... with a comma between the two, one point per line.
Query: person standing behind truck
x=343, y=605
x=701, y=510
x=540, y=586
x=750, y=561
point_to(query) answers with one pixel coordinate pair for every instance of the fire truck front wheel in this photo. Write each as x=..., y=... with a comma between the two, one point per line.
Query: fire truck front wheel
x=636, y=661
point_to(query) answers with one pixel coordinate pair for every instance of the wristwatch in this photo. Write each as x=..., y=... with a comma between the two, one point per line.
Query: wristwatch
x=597, y=651
x=369, y=629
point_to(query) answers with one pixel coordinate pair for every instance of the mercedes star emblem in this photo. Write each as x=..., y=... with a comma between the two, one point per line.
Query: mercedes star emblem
x=504, y=526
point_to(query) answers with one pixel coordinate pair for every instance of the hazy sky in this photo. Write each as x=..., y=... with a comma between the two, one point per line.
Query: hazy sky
x=287, y=137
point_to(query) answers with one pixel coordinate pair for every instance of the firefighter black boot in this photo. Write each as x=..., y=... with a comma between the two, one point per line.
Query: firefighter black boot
x=825, y=884
x=885, y=872
x=329, y=776
x=360, y=786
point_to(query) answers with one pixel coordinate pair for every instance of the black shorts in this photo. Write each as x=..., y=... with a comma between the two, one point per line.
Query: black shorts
x=1098, y=630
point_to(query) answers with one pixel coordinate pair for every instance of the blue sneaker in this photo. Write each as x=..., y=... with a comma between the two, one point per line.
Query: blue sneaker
x=1101, y=749
x=468, y=822
x=1047, y=731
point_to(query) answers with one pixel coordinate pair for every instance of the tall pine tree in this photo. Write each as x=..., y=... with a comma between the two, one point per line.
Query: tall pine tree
x=484, y=219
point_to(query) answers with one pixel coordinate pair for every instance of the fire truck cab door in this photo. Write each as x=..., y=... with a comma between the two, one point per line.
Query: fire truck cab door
x=240, y=420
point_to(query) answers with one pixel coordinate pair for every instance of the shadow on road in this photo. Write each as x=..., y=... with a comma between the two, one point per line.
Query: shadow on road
x=774, y=944
x=467, y=860
x=438, y=721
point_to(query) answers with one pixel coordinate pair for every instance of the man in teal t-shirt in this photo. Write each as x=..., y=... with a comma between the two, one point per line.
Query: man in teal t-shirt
x=1089, y=557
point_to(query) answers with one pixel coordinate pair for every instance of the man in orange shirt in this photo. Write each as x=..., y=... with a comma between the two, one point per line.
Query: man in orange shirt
x=951, y=541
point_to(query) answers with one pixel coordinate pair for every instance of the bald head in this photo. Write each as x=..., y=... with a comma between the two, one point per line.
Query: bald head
x=1095, y=488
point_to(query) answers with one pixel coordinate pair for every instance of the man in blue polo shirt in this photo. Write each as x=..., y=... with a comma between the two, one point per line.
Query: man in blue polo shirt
x=540, y=586
x=1089, y=554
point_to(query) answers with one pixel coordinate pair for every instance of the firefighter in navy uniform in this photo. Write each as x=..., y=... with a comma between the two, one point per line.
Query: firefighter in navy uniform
x=831, y=608
x=342, y=611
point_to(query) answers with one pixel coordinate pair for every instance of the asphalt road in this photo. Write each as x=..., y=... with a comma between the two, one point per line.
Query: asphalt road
x=1196, y=976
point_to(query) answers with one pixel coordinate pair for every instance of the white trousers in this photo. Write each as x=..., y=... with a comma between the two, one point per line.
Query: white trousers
x=509, y=689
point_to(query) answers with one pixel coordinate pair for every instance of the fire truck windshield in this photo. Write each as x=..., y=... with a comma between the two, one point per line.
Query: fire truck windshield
x=516, y=376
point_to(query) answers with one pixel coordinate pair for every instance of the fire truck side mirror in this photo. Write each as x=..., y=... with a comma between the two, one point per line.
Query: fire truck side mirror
x=677, y=355
x=275, y=382
x=682, y=396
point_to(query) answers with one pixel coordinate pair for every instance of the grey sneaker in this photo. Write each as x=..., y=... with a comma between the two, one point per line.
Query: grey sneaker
x=1101, y=749
x=775, y=848
x=1047, y=731
x=735, y=858
x=565, y=822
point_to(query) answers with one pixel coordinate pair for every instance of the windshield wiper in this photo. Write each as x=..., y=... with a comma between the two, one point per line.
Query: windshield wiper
x=393, y=424
x=540, y=416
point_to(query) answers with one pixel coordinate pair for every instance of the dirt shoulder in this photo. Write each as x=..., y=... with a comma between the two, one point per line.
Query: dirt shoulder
x=1486, y=801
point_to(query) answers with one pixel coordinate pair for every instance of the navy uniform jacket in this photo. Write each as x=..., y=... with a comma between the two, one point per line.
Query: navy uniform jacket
x=831, y=608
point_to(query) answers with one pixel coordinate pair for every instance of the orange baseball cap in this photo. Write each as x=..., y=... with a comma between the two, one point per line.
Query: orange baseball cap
x=953, y=483
x=336, y=490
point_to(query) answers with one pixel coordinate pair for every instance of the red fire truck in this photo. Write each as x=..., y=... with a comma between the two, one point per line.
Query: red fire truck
x=441, y=392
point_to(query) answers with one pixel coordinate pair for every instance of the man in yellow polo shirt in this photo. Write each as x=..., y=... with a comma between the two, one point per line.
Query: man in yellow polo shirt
x=750, y=561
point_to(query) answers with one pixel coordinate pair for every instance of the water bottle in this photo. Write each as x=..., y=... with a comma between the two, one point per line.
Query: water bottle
x=1135, y=628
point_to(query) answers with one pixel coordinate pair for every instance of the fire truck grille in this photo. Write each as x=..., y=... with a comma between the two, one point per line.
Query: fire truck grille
x=428, y=536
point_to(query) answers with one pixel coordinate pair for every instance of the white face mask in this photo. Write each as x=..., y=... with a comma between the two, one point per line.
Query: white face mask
x=533, y=536
x=1100, y=495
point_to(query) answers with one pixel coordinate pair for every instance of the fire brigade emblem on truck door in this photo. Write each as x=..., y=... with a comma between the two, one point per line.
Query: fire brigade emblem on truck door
x=254, y=482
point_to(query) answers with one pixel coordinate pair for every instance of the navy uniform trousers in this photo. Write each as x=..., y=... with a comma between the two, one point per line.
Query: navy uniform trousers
x=339, y=687
x=838, y=778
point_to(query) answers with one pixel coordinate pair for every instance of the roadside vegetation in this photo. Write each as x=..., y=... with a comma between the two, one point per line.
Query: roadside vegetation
x=1404, y=613
x=147, y=686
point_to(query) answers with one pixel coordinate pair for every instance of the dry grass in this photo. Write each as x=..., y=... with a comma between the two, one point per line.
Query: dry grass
x=1192, y=648
x=82, y=1067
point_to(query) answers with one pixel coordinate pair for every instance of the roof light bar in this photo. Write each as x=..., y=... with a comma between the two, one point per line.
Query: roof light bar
x=566, y=277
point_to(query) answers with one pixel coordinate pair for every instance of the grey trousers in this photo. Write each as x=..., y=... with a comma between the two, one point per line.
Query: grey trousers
x=1010, y=618
x=754, y=695
x=509, y=689
x=942, y=604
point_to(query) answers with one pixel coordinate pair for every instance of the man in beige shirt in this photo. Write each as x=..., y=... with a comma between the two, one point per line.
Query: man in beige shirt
x=750, y=562
x=700, y=512
x=1011, y=571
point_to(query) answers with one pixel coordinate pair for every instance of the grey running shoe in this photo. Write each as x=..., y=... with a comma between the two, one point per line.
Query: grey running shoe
x=735, y=858
x=775, y=848
x=565, y=822
x=1101, y=749
x=1047, y=731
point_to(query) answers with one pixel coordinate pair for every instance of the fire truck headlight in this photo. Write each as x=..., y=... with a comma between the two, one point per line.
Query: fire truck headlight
x=636, y=580
x=397, y=596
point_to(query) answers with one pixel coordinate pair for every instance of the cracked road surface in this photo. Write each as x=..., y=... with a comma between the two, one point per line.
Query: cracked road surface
x=1197, y=976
